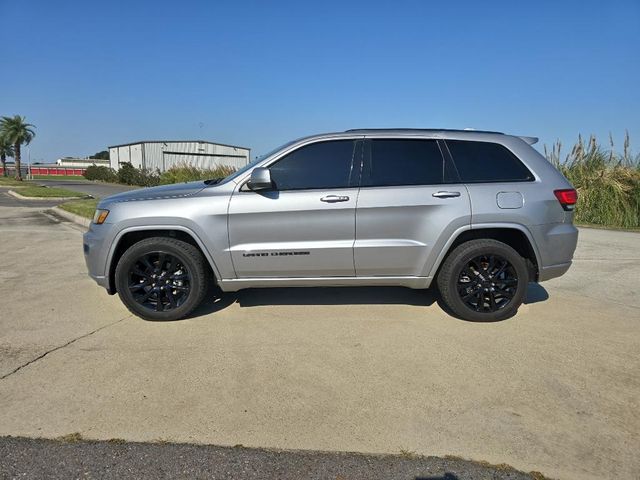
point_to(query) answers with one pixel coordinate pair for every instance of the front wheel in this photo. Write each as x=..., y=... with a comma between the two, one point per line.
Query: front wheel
x=483, y=280
x=161, y=278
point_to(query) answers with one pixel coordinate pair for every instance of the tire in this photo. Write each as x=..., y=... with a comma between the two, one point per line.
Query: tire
x=476, y=285
x=153, y=295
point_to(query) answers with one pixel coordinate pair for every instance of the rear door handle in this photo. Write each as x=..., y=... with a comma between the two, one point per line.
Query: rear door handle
x=443, y=194
x=334, y=198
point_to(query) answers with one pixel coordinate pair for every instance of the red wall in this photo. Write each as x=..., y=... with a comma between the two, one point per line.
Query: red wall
x=62, y=171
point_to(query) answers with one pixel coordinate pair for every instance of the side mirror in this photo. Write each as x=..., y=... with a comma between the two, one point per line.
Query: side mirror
x=260, y=179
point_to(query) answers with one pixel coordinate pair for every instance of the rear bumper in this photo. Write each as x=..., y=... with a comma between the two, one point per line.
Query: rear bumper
x=553, y=271
x=556, y=243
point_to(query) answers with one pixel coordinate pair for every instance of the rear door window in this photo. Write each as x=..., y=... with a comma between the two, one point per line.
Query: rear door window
x=483, y=162
x=404, y=162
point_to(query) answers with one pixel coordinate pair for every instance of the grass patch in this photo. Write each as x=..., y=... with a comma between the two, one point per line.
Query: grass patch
x=502, y=467
x=70, y=438
x=408, y=454
x=84, y=208
x=537, y=475
x=44, y=192
x=12, y=182
x=608, y=227
x=117, y=441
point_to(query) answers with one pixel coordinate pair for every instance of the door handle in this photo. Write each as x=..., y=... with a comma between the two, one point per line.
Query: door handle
x=443, y=194
x=334, y=198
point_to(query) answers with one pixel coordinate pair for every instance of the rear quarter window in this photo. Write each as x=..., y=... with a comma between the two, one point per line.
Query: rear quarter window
x=483, y=162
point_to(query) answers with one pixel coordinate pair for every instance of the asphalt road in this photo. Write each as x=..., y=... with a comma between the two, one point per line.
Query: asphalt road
x=8, y=201
x=95, y=189
x=375, y=370
x=29, y=458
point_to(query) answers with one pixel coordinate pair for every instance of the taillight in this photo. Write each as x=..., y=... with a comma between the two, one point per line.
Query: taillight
x=567, y=198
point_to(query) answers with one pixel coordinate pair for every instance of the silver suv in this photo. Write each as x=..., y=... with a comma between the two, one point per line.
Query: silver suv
x=480, y=213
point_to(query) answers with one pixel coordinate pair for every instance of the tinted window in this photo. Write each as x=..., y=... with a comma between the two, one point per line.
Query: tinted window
x=487, y=162
x=404, y=162
x=319, y=165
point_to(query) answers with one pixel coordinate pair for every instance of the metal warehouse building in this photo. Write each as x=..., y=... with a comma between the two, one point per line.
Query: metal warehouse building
x=163, y=154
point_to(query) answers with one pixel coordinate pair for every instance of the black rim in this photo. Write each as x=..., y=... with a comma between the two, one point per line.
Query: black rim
x=159, y=281
x=487, y=283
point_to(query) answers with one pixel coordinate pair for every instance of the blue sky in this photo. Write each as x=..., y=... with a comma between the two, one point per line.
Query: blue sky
x=257, y=73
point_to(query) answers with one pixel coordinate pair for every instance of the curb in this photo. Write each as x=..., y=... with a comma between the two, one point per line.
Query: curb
x=72, y=217
x=47, y=199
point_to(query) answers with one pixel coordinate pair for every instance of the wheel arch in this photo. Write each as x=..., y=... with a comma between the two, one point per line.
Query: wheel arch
x=516, y=236
x=129, y=236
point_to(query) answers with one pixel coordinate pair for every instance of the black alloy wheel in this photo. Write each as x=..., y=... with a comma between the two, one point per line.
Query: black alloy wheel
x=487, y=283
x=162, y=278
x=159, y=281
x=483, y=280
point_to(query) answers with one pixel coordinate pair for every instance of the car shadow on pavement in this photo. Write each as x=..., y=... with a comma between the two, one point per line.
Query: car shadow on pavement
x=217, y=300
x=254, y=297
x=536, y=293
x=335, y=296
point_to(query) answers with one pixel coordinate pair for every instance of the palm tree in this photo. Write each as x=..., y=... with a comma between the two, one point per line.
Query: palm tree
x=16, y=131
x=6, y=150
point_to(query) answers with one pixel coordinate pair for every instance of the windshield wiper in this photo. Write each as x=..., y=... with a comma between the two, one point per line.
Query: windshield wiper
x=213, y=181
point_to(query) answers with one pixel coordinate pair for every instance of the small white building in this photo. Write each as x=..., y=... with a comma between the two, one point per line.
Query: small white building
x=164, y=154
x=81, y=162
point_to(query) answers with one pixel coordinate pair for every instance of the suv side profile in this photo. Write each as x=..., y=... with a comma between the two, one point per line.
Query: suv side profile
x=481, y=214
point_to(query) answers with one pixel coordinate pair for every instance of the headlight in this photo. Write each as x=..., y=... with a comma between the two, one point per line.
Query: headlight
x=100, y=216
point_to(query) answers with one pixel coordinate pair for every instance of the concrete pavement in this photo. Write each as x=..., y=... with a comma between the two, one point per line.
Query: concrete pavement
x=554, y=389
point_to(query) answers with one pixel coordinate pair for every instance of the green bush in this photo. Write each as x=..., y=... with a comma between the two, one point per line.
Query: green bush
x=188, y=173
x=130, y=175
x=101, y=173
x=608, y=183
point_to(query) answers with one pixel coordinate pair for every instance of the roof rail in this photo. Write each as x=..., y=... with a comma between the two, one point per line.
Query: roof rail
x=364, y=130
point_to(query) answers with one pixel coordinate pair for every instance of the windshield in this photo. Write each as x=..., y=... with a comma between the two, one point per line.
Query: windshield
x=253, y=163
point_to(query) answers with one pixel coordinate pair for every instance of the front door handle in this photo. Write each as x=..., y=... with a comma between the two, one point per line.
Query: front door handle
x=334, y=198
x=443, y=194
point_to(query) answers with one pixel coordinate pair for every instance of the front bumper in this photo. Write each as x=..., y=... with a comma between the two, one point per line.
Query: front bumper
x=95, y=245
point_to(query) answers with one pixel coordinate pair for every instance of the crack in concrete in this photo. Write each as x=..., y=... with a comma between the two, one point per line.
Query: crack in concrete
x=59, y=347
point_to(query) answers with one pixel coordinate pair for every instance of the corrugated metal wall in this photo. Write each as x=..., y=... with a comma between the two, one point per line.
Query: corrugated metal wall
x=114, y=159
x=164, y=155
x=126, y=154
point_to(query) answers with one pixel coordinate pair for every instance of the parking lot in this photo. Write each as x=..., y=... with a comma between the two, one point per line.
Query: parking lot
x=383, y=370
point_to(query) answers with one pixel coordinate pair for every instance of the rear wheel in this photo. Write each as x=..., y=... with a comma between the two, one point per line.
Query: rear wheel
x=161, y=278
x=483, y=280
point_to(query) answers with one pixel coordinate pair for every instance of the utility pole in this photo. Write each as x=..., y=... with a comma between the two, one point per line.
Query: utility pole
x=29, y=176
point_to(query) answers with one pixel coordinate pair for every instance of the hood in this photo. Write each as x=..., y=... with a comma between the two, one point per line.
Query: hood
x=177, y=190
